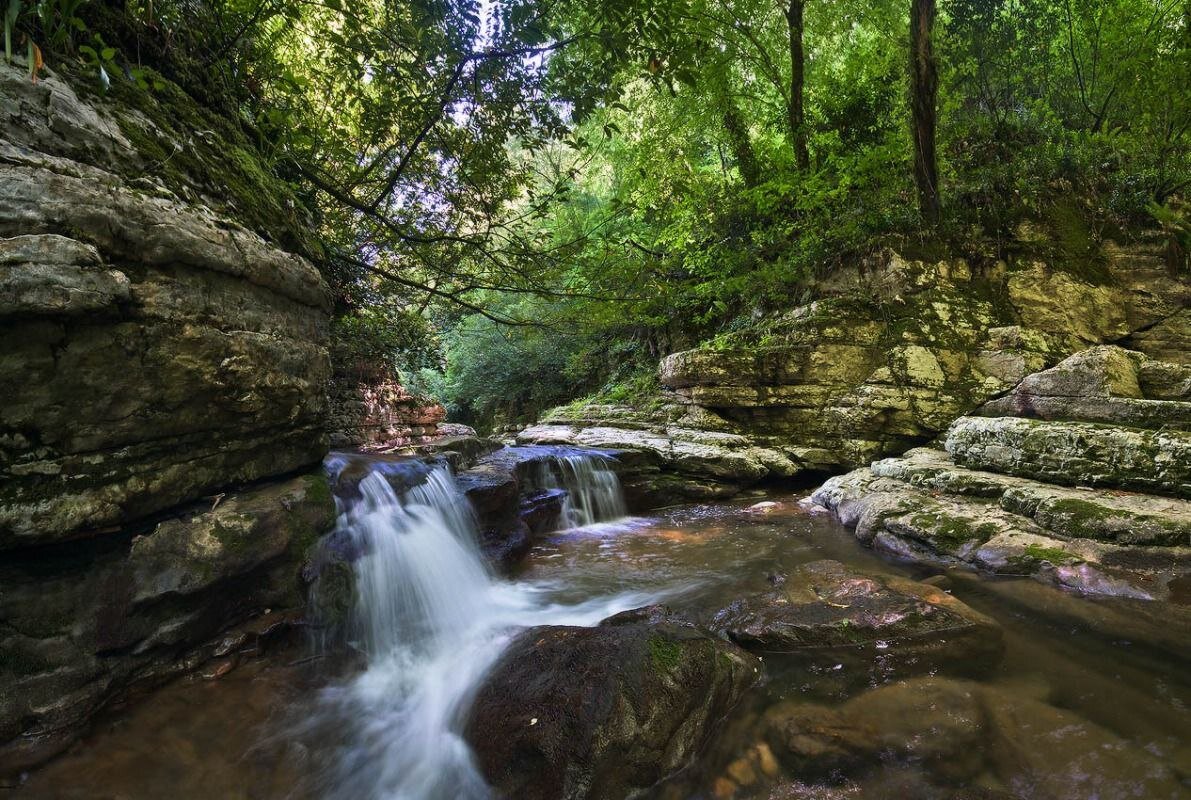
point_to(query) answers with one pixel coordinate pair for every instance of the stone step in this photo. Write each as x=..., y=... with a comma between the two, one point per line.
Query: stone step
x=1075, y=453
x=1102, y=515
x=911, y=519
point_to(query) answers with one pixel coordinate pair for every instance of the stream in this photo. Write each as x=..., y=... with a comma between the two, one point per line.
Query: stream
x=1093, y=681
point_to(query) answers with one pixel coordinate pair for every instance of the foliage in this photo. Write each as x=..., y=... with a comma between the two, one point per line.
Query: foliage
x=555, y=194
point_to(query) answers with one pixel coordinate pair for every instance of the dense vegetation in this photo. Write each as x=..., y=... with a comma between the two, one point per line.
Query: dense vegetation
x=519, y=202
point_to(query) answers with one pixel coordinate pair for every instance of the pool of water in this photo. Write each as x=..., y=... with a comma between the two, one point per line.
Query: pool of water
x=1094, y=683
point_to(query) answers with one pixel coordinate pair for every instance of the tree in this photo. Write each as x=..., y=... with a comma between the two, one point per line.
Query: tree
x=924, y=88
x=796, y=102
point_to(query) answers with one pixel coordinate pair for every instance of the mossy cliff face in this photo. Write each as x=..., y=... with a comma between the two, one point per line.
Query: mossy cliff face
x=155, y=350
x=163, y=345
x=887, y=357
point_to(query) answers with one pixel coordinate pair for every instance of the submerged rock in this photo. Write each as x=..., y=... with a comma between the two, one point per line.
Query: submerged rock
x=823, y=605
x=937, y=723
x=603, y=712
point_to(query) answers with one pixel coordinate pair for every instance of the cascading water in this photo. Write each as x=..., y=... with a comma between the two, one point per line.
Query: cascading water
x=431, y=619
x=592, y=489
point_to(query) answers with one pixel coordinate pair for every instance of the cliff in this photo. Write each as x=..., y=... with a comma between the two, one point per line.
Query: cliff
x=162, y=424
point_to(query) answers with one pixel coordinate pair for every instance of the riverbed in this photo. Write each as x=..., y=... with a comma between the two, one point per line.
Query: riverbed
x=1100, y=686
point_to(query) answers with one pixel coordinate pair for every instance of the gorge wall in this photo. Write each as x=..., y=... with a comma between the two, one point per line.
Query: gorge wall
x=891, y=352
x=163, y=420
x=371, y=410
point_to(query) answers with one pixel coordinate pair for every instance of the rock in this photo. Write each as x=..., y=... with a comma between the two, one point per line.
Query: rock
x=923, y=507
x=86, y=626
x=670, y=453
x=1075, y=453
x=824, y=606
x=937, y=723
x=1104, y=385
x=890, y=353
x=163, y=345
x=155, y=350
x=1046, y=753
x=618, y=707
x=373, y=411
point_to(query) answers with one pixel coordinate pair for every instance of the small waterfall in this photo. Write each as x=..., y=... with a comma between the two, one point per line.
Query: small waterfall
x=593, y=491
x=431, y=619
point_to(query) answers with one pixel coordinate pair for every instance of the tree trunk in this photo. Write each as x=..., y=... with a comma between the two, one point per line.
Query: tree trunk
x=924, y=89
x=738, y=141
x=796, y=111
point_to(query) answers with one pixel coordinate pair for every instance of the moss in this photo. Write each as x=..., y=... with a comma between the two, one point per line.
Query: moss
x=666, y=654
x=1055, y=555
x=1075, y=247
x=949, y=533
x=194, y=149
x=232, y=537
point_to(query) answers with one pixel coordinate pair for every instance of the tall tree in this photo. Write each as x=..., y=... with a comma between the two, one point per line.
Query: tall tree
x=796, y=109
x=924, y=89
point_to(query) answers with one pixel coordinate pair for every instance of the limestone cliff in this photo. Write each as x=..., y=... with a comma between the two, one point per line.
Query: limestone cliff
x=891, y=352
x=164, y=367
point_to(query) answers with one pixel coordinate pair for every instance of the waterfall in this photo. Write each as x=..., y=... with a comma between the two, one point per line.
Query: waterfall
x=431, y=619
x=592, y=489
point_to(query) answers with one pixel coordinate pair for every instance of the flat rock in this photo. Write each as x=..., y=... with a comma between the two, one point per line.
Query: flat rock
x=1075, y=453
x=823, y=605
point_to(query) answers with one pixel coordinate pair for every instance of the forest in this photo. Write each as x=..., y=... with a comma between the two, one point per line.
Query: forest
x=595, y=399
x=521, y=203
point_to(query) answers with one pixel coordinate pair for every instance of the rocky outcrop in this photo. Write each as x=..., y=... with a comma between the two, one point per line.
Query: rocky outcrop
x=651, y=691
x=378, y=413
x=1042, y=494
x=164, y=361
x=668, y=453
x=888, y=356
x=154, y=350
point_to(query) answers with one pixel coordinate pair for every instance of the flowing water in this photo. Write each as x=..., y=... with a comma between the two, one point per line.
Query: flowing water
x=431, y=617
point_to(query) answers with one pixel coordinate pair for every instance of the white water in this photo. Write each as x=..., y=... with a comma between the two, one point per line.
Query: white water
x=432, y=619
x=592, y=489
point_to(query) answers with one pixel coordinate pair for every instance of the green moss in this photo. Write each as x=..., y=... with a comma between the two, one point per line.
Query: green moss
x=1055, y=555
x=949, y=533
x=665, y=653
x=194, y=149
x=232, y=537
x=1075, y=249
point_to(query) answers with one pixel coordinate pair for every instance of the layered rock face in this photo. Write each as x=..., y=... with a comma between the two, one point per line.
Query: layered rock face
x=885, y=360
x=1080, y=475
x=157, y=357
x=375, y=412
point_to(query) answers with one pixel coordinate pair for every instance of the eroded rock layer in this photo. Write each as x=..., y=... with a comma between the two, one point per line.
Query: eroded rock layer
x=164, y=369
x=886, y=359
x=1066, y=492
x=154, y=351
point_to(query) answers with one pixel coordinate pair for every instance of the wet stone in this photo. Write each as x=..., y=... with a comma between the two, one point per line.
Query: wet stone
x=824, y=608
x=603, y=712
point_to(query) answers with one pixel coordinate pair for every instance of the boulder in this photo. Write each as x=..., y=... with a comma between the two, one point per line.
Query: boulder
x=603, y=712
x=936, y=723
x=1047, y=753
